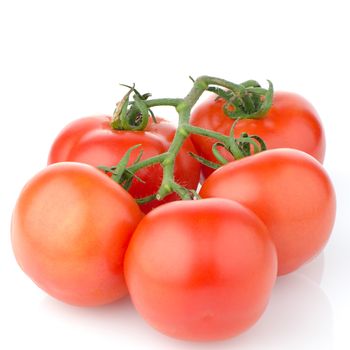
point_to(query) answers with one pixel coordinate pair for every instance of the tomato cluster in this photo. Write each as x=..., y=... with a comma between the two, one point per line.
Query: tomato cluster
x=199, y=269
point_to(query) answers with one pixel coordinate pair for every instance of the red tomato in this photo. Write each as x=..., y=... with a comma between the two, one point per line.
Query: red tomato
x=91, y=140
x=201, y=270
x=292, y=122
x=70, y=229
x=292, y=194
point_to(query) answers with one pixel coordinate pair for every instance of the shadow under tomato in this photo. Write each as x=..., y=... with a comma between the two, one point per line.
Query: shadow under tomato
x=119, y=317
x=314, y=269
x=299, y=316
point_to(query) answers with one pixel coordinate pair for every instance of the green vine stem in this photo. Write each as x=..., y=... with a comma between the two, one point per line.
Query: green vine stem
x=243, y=101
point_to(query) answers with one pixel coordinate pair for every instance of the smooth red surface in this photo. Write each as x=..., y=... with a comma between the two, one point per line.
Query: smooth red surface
x=292, y=122
x=201, y=270
x=70, y=229
x=292, y=194
x=91, y=140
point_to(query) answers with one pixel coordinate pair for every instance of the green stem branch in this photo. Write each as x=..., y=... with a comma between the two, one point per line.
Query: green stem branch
x=184, y=107
x=174, y=102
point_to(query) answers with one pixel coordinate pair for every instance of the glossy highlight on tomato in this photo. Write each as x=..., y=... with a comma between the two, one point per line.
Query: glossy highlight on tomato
x=291, y=122
x=201, y=270
x=91, y=140
x=70, y=229
x=290, y=192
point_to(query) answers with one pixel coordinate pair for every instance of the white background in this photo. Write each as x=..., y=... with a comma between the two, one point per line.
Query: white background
x=61, y=60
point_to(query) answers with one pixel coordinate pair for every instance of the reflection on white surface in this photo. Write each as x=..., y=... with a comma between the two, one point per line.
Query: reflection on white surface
x=117, y=320
x=299, y=316
x=314, y=269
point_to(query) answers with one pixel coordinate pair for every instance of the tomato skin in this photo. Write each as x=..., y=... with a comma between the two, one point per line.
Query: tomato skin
x=292, y=194
x=292, y=122
x=201, y=270
x=91, y=140
x=70, y=229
